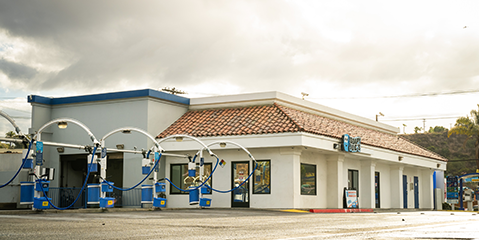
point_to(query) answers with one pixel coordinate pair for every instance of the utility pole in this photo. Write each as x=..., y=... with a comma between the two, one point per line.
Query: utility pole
x=304, y=94
x=377, y=116
x=424, y=125
x=173, y=90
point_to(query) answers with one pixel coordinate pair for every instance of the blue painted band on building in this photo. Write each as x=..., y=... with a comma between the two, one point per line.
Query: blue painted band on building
x=109, y=96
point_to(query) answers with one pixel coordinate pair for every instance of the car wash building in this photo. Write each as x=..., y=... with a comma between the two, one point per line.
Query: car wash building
x=307, y=155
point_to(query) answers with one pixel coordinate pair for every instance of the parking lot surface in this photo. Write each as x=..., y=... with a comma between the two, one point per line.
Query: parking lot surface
x=238, y=224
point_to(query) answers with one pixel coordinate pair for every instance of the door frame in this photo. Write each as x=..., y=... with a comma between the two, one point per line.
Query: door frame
x=247, y=183
x=416, y=192
x=377, y=189
x=404, y=187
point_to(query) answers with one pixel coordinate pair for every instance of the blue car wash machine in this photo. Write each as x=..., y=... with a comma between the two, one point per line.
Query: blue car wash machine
x=35, y=191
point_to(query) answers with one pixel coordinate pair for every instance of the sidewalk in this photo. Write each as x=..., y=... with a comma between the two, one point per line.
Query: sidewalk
x=97, y=210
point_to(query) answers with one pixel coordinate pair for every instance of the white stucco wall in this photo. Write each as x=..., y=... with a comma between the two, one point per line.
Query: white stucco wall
x=101, y=118
x=384, y=184
x=9, y=164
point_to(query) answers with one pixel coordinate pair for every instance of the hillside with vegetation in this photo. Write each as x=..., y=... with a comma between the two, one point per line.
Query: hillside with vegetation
x=455, y=148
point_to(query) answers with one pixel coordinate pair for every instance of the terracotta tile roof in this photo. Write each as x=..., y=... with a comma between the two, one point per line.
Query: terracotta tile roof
x=279, y=119
x=233, y=121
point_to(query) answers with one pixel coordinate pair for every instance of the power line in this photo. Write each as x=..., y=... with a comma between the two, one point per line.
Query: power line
x=420, y=118
x=410, y=95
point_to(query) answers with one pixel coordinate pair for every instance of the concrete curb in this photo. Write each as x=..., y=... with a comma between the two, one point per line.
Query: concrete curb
x=354, y=210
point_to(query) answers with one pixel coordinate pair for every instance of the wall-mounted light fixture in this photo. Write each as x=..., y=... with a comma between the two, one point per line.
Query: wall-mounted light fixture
x=222, y=144
x=400, y=158
x=62, y=125
x=126, y=131
x=336, y=146
x=61, y=150
x=179, y=139
x=438, y=165
x=120, y=146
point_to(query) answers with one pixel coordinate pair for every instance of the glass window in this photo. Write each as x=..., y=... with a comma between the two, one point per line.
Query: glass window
x=179, y=176
x=262, y=177
x=308, y=179
x=353, y=180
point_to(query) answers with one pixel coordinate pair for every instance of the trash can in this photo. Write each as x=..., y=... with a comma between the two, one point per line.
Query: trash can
x=194, y=196
x=26, y=192
x=93, y=194
x=146, y=193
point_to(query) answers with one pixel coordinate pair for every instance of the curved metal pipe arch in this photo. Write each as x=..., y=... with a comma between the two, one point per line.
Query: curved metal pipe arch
x=188, y=136
x=17, y=128
x=230, y=142
x=157, y=144
x=80, y=124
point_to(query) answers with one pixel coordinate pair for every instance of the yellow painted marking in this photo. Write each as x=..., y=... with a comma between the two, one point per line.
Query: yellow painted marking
x=110, y=202
x=162, y=202
x=295, y=210
x=45, y=203
x=207, y=202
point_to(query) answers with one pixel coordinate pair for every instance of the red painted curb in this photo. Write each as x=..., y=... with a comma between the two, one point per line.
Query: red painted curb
x=341, y=210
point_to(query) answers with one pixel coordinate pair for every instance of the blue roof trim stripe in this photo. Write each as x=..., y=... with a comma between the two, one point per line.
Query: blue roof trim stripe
x=109, y=96
x=39, y=99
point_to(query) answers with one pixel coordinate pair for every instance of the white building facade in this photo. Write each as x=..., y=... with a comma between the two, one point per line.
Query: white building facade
x=296, y=143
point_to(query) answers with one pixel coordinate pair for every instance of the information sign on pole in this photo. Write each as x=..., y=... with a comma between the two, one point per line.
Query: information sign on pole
x=452, y=190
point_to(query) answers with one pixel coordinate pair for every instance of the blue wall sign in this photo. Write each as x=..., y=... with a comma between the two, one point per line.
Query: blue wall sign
x=351, y=144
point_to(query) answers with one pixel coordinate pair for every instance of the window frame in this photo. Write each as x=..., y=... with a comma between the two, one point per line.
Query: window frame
x=254, y=177
x=197, y=172
x=315, y=180
x=353, y=181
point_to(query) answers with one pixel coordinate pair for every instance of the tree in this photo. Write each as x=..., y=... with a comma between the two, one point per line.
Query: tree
x=437, y=129
x=468, y=126
x=12, y=134
x=417, y=129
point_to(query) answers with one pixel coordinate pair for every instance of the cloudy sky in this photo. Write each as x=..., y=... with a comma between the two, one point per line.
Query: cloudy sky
x=406, y=59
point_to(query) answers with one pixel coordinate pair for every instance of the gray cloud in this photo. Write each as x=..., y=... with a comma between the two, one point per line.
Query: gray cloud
x=17, y=71
x=267, y=45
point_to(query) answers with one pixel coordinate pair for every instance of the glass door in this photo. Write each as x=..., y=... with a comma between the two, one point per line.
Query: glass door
x=377, y=188
x=240, y=196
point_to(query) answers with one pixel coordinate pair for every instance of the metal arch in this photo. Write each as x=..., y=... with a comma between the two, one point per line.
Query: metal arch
x=17, y=128
x=92, y=137
x=188, y=136
x=157, y=144
x=236, y=144
x=468, y=175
